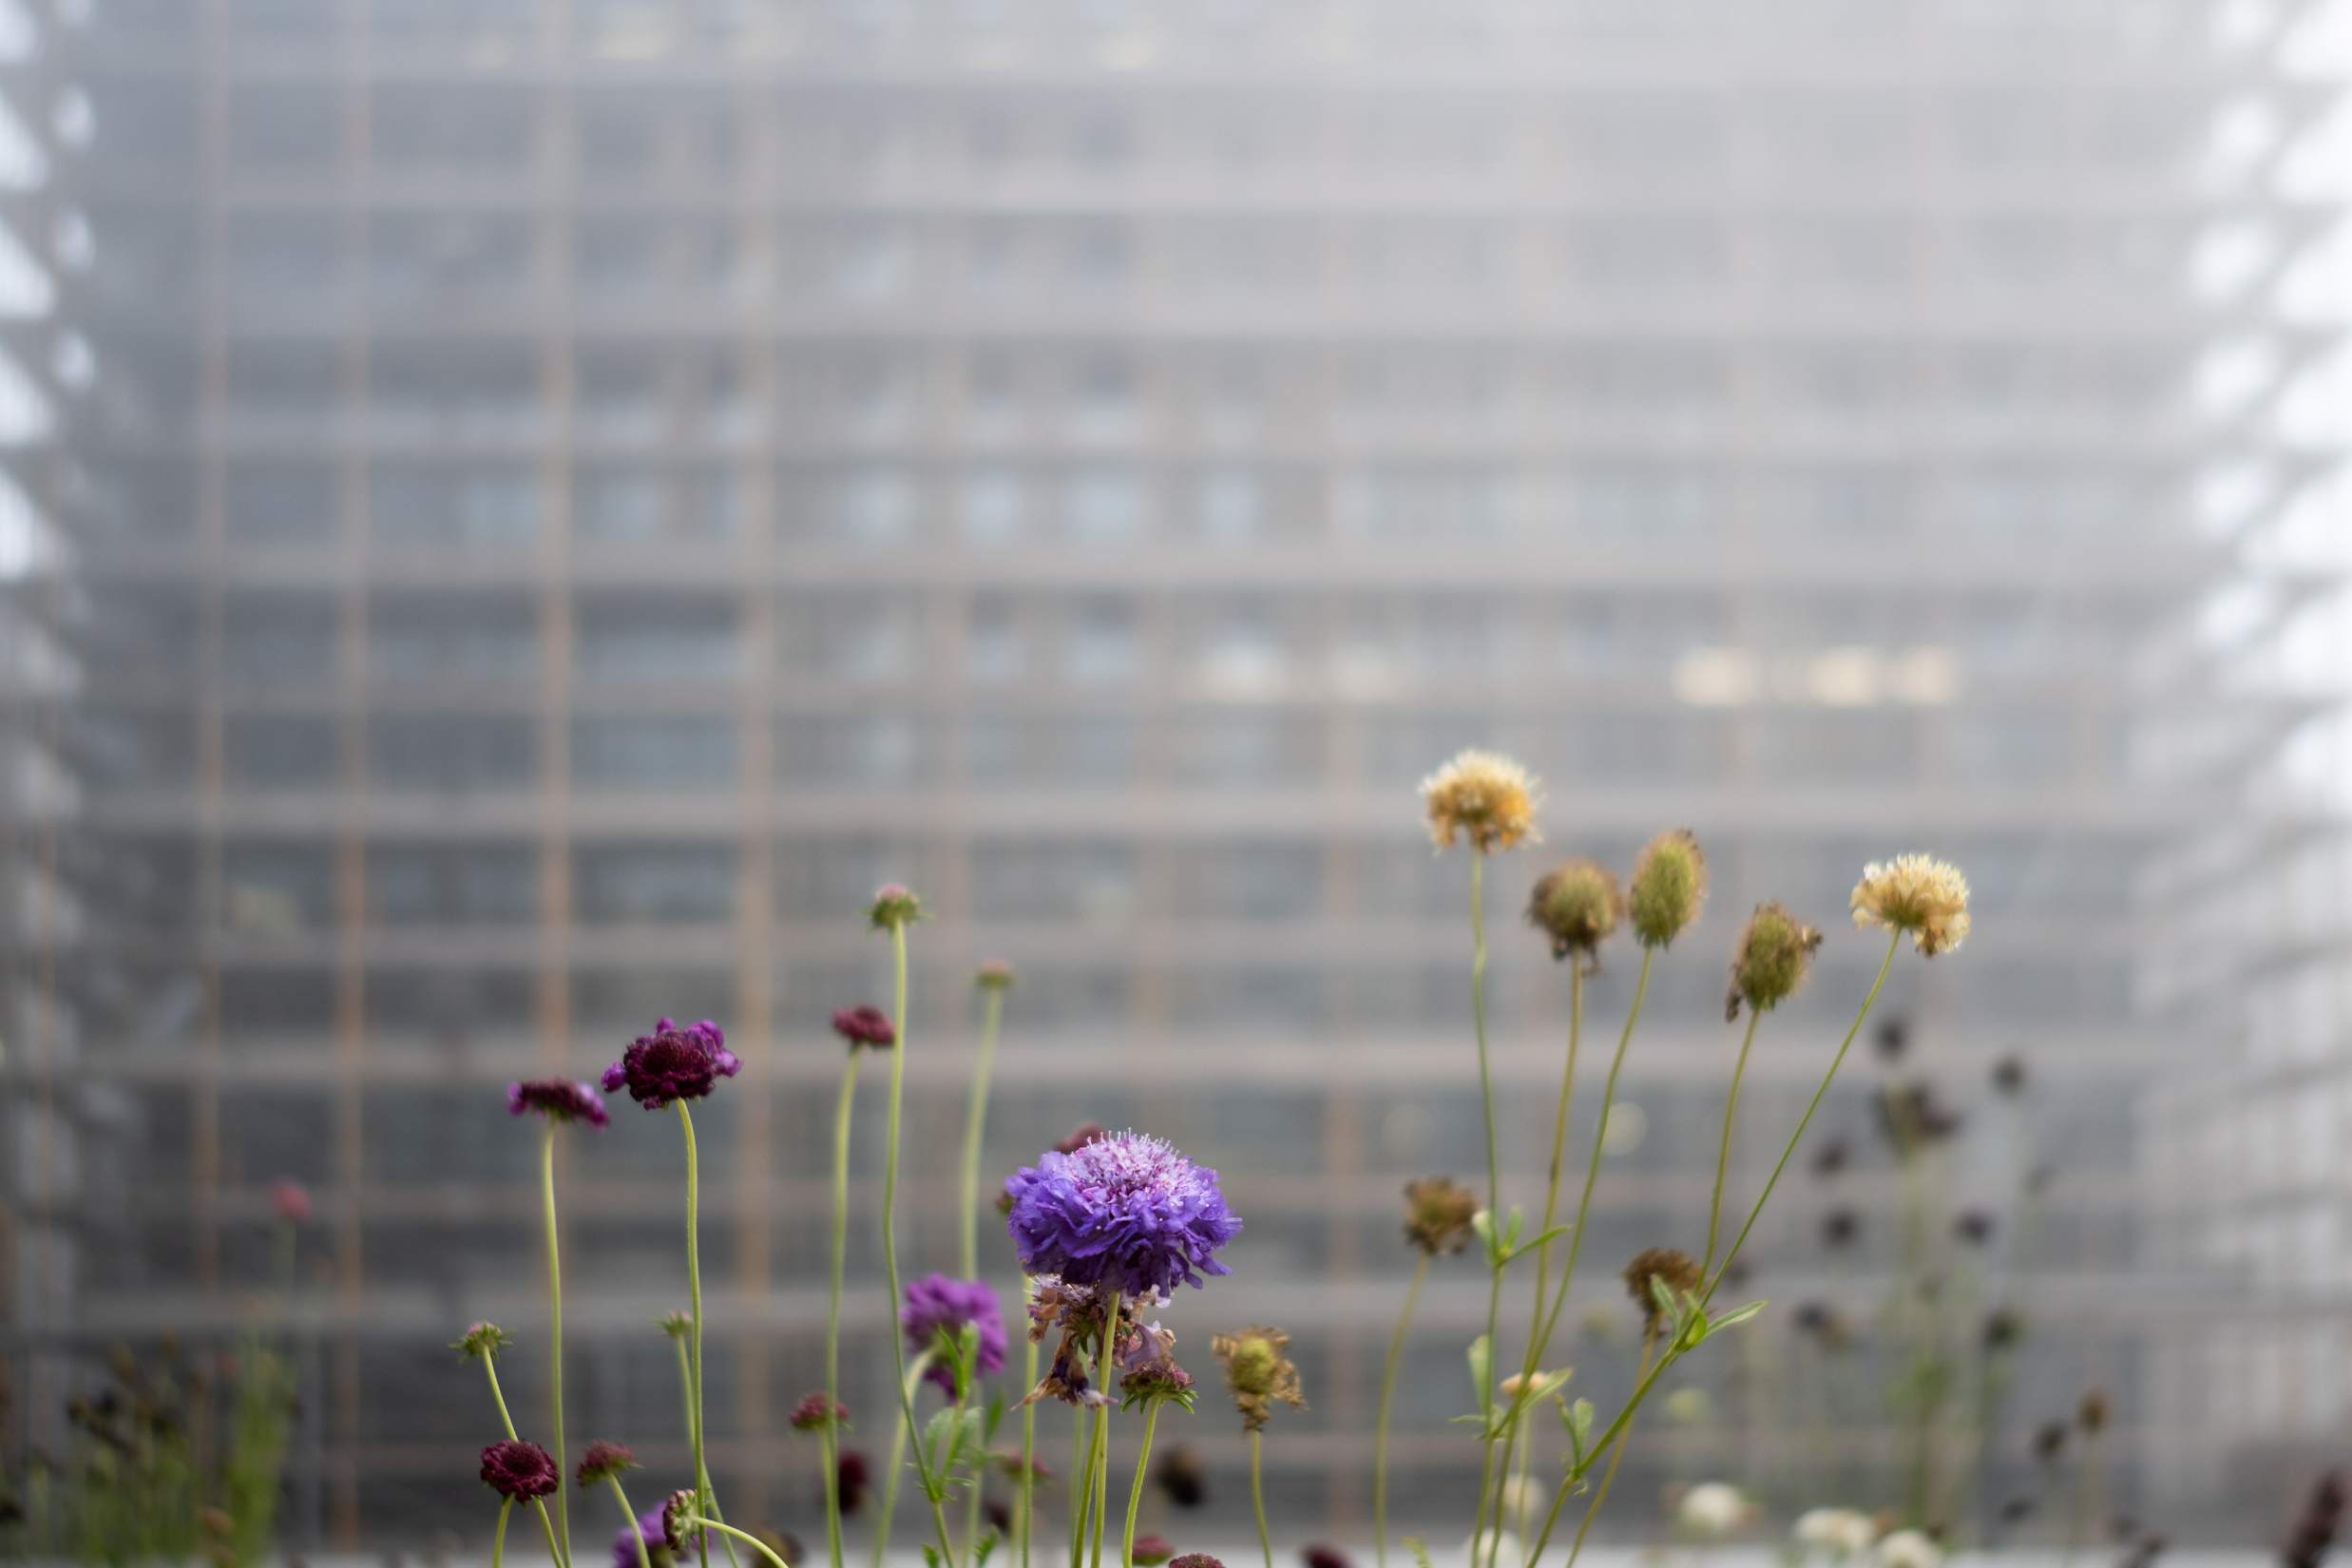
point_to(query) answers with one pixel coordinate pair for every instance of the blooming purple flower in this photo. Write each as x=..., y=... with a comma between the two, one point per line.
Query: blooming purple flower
x=647, y=1529
x=816, y=1412
x=519, y=1470
x=604, y=1461
x=865, y=1025
x=673, y=1063
x=937, y=1301
x=558, y=1100
x=1125, y=1211
x=292, y=1201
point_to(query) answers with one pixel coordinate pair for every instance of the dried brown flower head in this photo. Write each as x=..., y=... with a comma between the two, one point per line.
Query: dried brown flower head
x=1437, y=1215
x=1259, y=1370
x=1576, y=904
x=1916, y=894
x=1669, y=1265
x=1488, y=800
x=1775, y=954
x=1669, y=889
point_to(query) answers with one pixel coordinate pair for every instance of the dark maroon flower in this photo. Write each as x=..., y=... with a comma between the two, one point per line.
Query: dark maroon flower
x=558, y=1100
x=1152, y=1550
x=999, y=1514
x=1194, y=1559
x=675, y=1509
x=673, y=1063
x=816, y=1412
x=850, y=1479
x=604, y=1461
x=1324, y=1554
x=1182, y=1476
x=519, y=1470
x=865, y=1025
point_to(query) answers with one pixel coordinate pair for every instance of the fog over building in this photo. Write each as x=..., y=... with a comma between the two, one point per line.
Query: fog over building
x=556, y=500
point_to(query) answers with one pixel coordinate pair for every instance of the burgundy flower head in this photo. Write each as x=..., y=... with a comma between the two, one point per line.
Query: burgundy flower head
x=558, y=1100
x=675, y=1509
x=603, y=1461
x=1196, y=1560
x=1322, y=1554
x=1152, y=1550
x=1086, y=1131
x=673, y=1063
x=867, y=1025
x=816, y=1412
x=292, y=1201
x=850, y=1479
x=519, y=1470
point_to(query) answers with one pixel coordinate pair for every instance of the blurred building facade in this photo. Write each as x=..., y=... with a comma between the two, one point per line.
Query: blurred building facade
x=568, y=497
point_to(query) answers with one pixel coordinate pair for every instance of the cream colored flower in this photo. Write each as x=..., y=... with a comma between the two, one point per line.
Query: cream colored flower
x=1484, y=797
x=1909, y=1549
x=1916, y=894
x=1711, y=1509
x=1839, y=1532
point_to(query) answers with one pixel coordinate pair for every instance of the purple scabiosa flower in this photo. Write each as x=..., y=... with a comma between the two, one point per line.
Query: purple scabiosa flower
x=647, y=1529
x=604, y=1461
x=1323, y=1554
x=1152, y=1550
x=1126, y=1211
x=1148, y=1369
x=1194, y=1559
x=865, y=1025
x=816, y=1412
x=558, y=1100
x=673, y=1063
x=519, y=1470
x=936, y=1303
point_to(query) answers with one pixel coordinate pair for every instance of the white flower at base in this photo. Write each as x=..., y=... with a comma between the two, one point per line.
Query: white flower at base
x=1713, y=1508
x=1839, y=1532
x=1503, y=1545
x=1909, y=1549
x=1520, y=1496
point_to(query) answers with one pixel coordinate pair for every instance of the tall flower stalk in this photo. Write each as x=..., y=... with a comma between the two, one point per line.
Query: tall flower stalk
x=894, y=910
x=860, y=1028
x=558, y=1102
x=668, y=1068
x=1440, y=1213
x=1260, y=1371
x=1491, y=802
x=994, y=979
x=481, y=1343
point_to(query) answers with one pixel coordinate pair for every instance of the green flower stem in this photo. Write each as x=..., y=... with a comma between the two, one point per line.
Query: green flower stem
x=547, y=1521
x=1388, y=1398
x=1649, y=1381
x=498, y=1537
x=694, y=1294
x=628, y=1517
x=698, y=1523
x=829, y=1438
x=915, y=1370
x=1609, y=1475
x=1135, y=1492
x=555, y=1337
x=1722, y=1155
x=1026, y=1504
x=890, y=1243
x=1081, y=1492
x=1257, y=1494
x=1584, y=1206
x=975, y=1123
x=1100, y=1483
x=1486, y=1484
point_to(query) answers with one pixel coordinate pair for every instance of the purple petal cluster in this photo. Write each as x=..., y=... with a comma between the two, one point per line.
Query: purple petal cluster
x=647, y=1529
x=865, y=1026
x=519, y=1470
x=937, y=1301
x=673, y=1063
x=1125, y=1211
x=558, y=1100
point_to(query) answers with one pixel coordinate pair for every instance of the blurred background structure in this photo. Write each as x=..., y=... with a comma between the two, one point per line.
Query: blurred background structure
x=522, y=512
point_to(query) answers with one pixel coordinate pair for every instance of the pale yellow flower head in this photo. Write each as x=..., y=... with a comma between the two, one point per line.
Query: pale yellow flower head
x=1484, y=797
x=1916, y=894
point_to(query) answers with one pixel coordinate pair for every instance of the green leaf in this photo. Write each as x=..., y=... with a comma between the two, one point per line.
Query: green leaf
x=930, y=1555
x=1482, y=1361
x=981, y=1548
x=1578, y=1417
x=1737, y=1315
